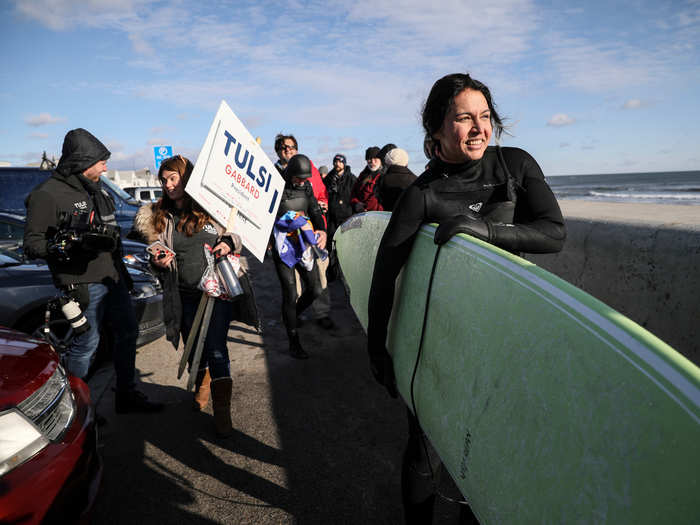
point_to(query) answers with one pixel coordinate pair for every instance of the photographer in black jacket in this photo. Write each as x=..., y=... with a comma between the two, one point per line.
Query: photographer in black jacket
x=71, y=224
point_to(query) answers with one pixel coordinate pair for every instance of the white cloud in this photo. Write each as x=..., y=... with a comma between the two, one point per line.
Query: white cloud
x=42, y=119
x=64, y=14
x=114, y=146
x=451, y=25
x=635, y=103
x=560, y=119
x=157, y=142
x=38, y=135
x=140, y=45
x=601, y=66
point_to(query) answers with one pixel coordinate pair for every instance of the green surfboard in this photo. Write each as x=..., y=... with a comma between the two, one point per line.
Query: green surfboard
x=545, y=405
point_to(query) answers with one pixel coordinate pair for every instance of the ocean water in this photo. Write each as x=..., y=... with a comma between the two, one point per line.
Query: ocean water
x=673, y=187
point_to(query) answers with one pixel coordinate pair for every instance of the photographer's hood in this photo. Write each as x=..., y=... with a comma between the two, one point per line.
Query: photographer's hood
x=81, y=149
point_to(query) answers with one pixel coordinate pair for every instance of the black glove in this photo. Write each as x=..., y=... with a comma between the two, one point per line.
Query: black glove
x=62, y=248
x=383, y=370
x=359, y=207
x=471, y=224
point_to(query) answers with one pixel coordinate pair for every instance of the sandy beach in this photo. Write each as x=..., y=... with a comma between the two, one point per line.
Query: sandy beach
x=670, y=215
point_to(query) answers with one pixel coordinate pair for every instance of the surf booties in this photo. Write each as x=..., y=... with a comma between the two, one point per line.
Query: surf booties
x=295, y=348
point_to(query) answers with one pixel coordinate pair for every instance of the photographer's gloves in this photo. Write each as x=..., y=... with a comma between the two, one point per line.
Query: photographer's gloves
x=471, y=224
x=62, y=248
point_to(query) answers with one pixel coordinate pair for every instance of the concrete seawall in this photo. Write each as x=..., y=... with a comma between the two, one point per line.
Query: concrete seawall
x=641, y=259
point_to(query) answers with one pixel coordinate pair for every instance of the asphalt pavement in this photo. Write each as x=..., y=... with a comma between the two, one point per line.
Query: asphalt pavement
x=315, y=441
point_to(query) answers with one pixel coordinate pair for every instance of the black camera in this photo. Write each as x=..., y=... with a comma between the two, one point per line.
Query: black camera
x=78, y=229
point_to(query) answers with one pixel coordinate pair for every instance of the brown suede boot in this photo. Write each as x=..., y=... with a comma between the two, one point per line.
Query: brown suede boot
x=221, y=402
x=201, y=390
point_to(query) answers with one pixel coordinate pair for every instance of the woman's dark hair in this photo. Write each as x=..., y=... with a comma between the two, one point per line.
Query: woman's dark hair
x=193, y=216
x=442, y=96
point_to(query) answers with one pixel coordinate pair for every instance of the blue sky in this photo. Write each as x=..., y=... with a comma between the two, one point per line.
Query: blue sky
x=605, y=87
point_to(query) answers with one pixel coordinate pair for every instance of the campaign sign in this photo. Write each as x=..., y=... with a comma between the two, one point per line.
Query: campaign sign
x=232, y=171
x=161, y=153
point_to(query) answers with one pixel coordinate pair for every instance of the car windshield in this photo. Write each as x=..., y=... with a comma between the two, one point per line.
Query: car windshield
x=16, y=184
x=9, y=258
x=116, y=189
x=11, y=230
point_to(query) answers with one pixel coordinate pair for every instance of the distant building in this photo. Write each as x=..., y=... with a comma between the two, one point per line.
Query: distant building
x=129, y=178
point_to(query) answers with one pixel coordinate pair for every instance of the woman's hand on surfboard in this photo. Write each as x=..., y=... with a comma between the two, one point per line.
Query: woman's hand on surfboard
x=471, y=224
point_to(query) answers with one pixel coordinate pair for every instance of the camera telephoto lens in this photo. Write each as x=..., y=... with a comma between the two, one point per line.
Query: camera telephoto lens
x=74, y=315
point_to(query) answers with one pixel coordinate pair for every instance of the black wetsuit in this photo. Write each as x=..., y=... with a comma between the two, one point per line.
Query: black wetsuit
x=299, y=199
x=506, y=188
x=447, y=190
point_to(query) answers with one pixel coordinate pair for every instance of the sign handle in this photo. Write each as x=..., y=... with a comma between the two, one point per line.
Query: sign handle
x=193, y=334
x=231, y=219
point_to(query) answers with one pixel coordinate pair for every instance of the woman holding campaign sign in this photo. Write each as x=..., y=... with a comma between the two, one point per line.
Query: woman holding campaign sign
x=298, y=238
x=182, y=233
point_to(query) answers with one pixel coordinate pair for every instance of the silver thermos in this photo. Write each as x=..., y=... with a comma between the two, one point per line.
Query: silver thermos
x=228, y=276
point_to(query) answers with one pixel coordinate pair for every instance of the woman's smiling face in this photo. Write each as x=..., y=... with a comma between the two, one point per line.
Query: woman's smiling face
x=466, y=129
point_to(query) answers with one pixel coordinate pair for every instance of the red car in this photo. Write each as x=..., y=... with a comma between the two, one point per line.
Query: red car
x=50, y=470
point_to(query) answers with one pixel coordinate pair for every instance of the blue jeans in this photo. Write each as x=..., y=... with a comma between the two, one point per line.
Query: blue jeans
x=215, y=352
x=107, y=302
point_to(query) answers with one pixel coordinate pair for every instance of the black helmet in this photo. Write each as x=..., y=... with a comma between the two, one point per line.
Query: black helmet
x=298, y=166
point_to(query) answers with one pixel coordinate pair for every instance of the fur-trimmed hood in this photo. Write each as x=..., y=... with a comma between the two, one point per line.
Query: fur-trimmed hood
x=143, y=223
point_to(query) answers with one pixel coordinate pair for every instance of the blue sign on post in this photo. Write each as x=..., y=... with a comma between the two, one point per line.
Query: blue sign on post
x=161, y=153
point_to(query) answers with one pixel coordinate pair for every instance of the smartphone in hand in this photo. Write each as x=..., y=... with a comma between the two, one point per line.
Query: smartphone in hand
x=159, y=250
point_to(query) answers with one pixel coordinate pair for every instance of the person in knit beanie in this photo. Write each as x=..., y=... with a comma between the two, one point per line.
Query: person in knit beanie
x=363, y=197
x=382, y=153
x=396, y=178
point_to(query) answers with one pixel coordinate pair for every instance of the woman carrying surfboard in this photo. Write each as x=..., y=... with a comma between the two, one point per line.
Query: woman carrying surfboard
x=496, y=194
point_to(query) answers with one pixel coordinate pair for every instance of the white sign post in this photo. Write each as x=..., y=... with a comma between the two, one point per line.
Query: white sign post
x=234, y=177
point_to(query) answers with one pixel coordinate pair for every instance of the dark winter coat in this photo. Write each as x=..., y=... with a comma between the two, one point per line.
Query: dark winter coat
x=391, y=185
x=245, y=307
x=64, y=193
x=339, y=196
